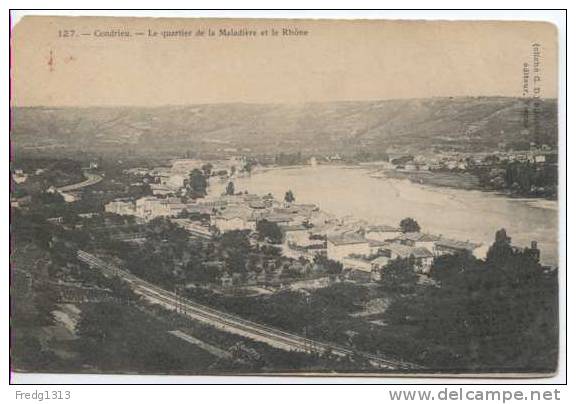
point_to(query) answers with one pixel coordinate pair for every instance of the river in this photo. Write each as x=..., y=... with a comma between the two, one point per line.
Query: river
x=455, y=213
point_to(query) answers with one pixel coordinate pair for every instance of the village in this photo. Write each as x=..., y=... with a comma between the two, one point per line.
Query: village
x=318, y=193
x=303, y=232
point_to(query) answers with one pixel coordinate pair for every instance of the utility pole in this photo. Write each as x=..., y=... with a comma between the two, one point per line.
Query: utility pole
x=309, y=344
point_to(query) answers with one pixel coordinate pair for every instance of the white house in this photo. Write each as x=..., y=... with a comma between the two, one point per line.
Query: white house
x=194, y=228
x=296, y=234
x=357, y=264
x=278, y=218
x=380, y=262
x=185, y=165
x=176, y=180
x=422, y=256
x=150, y=207
x=234, y=219
x=343, y=245
x=225, y=223
x=417, y=239
x=161, y=189
x=423, y=259
x=447, y=246
x=121, y=207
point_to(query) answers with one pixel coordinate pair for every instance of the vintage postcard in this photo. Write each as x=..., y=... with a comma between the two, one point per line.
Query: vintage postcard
x=194, y=196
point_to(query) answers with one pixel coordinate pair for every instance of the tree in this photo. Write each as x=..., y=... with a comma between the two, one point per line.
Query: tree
x=235, y=240
x=70, y=218
x=409, y=225
x=330, y=266
x=399, y=276
x=271, y=250
x=501, y=250
x=446, y=267
x=99, y=322
x=230, y=188
x=29, y=355
x=493, y=314
x=45, y=303
x=197, y=184
x=121, y=289
x=236, y=246
x=207, y=169
x=269, y=231
x=289, y=197
x=197, y=271
x=248, y=166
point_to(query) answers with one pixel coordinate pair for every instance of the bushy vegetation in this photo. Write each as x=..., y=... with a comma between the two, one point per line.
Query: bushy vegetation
x=522, y=179
x=269, y=231
x=409, y=225
x=498, y=314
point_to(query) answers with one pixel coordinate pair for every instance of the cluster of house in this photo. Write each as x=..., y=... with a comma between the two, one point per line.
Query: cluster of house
x=372, y=247
x=171, y=179
x=463, y=161
x=307, y=231
x=226, y=212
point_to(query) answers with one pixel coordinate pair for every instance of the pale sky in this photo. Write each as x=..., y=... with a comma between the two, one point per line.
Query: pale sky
x=337, y=60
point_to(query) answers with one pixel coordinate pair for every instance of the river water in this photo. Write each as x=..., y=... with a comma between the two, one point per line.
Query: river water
x=455, y=213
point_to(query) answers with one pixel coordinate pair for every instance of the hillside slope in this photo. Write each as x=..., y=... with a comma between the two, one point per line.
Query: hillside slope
x=461, y=123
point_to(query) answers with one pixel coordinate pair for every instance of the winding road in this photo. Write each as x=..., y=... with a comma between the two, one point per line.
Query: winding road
x=91, y=179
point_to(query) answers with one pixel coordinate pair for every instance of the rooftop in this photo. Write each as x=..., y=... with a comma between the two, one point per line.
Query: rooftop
x=403, y=251
x=276, y=217
x=347, y=238
x=415, y=236
x=381, y=228
x=293, y=227
x=380, y=261
x=422, y=252
x=235, y=212
x=457, y=245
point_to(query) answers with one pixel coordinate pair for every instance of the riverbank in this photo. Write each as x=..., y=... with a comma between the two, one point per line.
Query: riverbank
x=365, y=193
x=451, y=180
x=456, y=180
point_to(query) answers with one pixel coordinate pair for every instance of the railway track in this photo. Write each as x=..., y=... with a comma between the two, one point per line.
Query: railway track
x=232, y=323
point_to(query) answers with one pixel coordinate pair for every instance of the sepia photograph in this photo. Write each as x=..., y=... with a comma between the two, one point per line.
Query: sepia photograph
x=284, y=197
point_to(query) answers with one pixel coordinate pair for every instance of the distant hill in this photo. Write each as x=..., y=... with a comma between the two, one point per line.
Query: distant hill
x=443, y=123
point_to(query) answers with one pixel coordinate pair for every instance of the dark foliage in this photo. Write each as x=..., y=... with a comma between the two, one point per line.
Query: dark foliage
x=495, y=315
x=409, y=225
x=398, y=276
x=289, y=197
x=269, y=231
x=197, y=184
